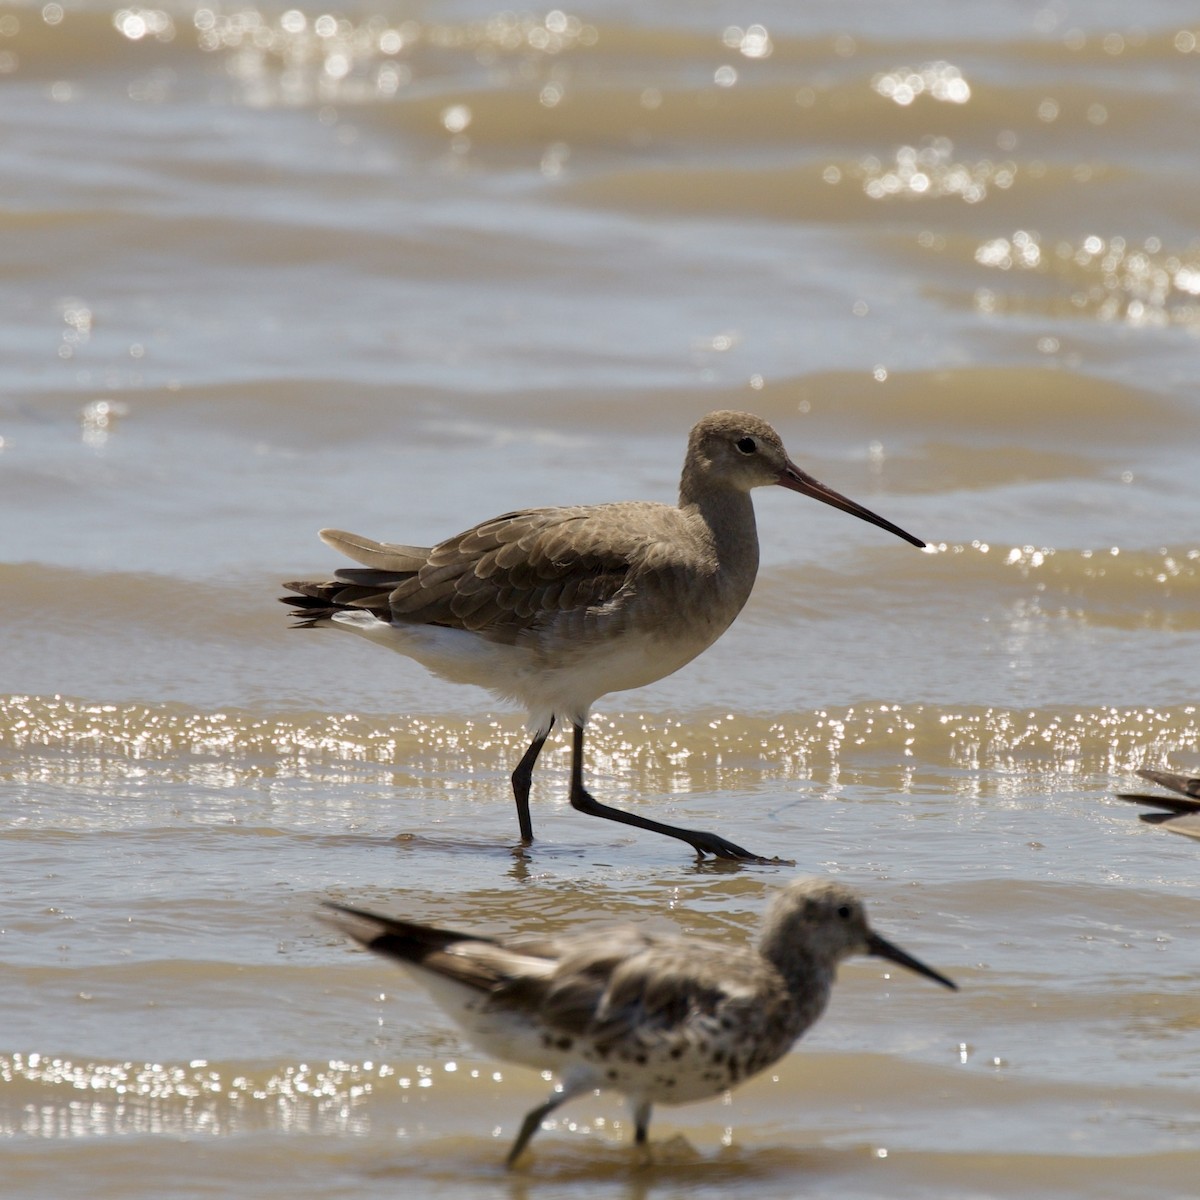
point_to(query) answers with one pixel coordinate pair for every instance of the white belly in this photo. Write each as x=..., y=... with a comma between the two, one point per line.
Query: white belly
x=563, y=682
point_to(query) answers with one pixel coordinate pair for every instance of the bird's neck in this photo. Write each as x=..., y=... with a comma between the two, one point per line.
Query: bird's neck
x=809, y=979
x=729, y=516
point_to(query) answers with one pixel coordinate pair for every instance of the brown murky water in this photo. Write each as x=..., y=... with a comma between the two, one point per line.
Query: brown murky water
x=397, y=269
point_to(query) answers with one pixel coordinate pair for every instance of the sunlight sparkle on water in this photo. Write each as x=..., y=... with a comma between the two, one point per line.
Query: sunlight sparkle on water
x=138, y=23
x=754, y=42
x=1109, y=278
x=97, y=1099
x=300, y=756
x=931, y=170
x=295, y=59
x=456, y=118
x=938, y=80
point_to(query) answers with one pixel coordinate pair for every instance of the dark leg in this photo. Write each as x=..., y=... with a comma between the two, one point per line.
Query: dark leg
x=522, y=779
x=702, y=843
x=533, y=1120
x=641, y=1120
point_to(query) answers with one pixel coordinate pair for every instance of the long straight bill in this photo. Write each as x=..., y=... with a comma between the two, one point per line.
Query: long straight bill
x=798, y=481
x=882, y=948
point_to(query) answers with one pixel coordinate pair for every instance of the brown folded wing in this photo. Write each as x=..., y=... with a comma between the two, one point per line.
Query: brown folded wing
x=500, y=578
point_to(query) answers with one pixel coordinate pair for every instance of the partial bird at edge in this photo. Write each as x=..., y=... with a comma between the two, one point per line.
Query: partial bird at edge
x=1177, y=814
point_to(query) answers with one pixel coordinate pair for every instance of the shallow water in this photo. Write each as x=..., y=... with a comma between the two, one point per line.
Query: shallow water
x=407, y=267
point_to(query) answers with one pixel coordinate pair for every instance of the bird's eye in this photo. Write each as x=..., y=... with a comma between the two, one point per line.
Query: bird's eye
x=844, y=912
x=746, y=445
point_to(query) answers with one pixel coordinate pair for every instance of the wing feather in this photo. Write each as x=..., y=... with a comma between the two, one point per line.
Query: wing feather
x=511, y=576
x=383, y=556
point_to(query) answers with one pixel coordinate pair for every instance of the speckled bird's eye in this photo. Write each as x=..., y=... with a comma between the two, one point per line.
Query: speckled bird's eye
x=844, y=912
x=747, y=445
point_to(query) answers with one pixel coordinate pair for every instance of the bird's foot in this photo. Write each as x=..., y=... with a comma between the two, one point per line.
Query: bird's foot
x=719, y=847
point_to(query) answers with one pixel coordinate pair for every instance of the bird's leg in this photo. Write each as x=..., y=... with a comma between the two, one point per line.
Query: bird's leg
x=522, y=780
x=533, y=1120
x=702, y=843
x=641, y=1122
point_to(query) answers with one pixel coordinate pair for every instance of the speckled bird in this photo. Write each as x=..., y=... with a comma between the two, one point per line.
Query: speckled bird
x=662, y=1019
x=555, y=607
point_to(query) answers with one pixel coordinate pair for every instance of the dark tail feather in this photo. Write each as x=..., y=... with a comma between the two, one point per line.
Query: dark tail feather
x=316, y=602
x=308, y=611
x=403, y=940
x=385, y=581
